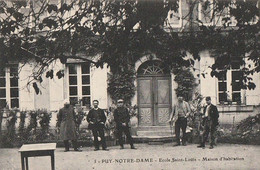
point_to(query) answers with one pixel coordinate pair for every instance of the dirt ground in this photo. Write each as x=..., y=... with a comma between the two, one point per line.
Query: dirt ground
x=224, y=156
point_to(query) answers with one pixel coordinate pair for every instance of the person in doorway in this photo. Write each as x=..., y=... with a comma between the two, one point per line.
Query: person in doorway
x=67, y=126
x=96, y=119
x=180, y=112
x=210, y=122
x=122, y=119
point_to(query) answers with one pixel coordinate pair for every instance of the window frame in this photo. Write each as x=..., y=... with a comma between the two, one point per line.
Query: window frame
x=79, y=84
x=200, y=13
x=179, y=25
x=8, y=98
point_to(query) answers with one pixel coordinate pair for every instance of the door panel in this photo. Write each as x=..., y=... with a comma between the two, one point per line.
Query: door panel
x=145, y=101
x=162, y=100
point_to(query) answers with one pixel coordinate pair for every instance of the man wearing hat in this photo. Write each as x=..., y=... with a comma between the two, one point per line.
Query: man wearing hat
x=67, y=126
x=122, y=119
x=180, y=112
x=96, y=118
x=210, y=122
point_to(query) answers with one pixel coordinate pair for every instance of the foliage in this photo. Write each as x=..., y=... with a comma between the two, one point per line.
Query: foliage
x=44, y=120
x=121, y=85
x=246, y=132
x=124, y=31
x=186, y=83
x=21, y=129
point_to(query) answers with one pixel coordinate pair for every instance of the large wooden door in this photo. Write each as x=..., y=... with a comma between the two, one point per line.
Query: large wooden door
x=154, y=100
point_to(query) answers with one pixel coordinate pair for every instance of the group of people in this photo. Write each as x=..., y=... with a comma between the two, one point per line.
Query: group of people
x=97, y=118
x=181, y=111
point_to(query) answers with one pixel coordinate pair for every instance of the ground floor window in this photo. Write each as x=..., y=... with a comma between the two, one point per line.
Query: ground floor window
x=79, y=83
x=9, y=87
x=229, y=85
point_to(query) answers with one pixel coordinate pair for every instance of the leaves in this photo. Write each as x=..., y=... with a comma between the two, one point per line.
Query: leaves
x=36, y=88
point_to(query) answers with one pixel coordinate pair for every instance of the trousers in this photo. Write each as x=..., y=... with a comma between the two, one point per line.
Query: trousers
x=181, y=124
x=126, y=130
x=99, y=131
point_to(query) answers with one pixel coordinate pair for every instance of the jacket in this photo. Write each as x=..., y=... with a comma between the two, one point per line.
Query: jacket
x=98, y=118
x=121, y=115
x=213, y=114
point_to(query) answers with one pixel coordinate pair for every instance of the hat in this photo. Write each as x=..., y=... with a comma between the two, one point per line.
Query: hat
x=120, y=101
x=208, y=98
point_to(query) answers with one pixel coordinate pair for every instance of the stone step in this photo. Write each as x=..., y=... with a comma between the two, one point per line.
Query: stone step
x=153, y=139
x=153, y=128
x=155, y=133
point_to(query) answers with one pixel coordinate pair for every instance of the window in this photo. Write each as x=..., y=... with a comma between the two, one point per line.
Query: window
x=9, y=87
x=175, y=17
x=205, y=10
x=229, y=87
x=79, y=83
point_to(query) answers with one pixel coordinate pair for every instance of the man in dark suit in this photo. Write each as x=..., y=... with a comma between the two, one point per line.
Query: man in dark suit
x=210, y=122
x=96, y=119
x=122, y=118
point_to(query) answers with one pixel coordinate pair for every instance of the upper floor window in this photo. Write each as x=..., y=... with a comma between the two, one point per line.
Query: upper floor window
x=175, y=17
x=9, y=86
x=79, y=83
x=205, y=12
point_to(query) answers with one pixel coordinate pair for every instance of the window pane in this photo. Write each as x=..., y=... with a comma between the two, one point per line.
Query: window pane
x=222, y=86
x=85, y=68
x=236, y=97
x=236, y=86
x=86, y=101
x=222, y=97
x=2, y=93
x=85, y=79
x=73, y=80
x=86, y=90
x=73, y=100
x=236, y=75
x=14, y=82
x=73, y=91
x=2, y=103
x=222, y=75
x=72, y=69
x=14, y=103
x=14, y=92
x=2, y=82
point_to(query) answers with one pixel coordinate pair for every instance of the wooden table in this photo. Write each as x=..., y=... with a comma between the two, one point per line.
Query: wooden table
x=33, y=150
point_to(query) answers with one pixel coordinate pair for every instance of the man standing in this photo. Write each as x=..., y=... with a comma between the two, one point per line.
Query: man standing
x=96, y=119
x=66, y=124
x=181, y=111
x=210, y=122
x=122, y=118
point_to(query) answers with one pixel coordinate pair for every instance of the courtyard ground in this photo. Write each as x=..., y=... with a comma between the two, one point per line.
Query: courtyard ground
x=224, y=156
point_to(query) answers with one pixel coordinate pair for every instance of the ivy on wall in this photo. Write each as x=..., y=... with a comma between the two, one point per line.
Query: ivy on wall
x=121, y=85
x=186, y=83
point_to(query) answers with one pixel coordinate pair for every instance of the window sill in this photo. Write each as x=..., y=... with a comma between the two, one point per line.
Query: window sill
x=234, y=108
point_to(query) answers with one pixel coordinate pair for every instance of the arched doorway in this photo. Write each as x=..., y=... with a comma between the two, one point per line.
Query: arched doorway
x=154, y=94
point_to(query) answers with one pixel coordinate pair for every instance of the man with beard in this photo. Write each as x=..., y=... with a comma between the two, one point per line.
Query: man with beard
x=96, y=119
x=66, y=124
x=122, y=118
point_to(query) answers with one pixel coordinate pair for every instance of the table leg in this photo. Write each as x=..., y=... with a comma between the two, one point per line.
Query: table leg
x=22, y=162
x=52, y=161
x=27, y=166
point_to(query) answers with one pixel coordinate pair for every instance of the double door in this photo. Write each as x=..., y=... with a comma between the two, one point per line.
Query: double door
x=154, y=100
